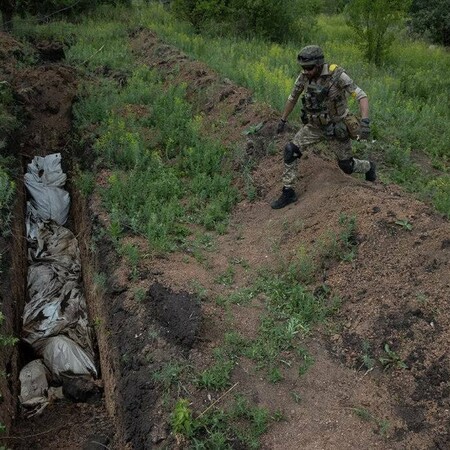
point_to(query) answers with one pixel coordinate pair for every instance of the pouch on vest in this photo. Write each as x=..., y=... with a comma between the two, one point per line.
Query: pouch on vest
x=341, y=131
x=352, y=123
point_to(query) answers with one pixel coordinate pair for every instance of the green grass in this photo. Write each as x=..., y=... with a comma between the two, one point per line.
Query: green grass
x=7, y=190
x=240, y=423
x=6, y=340
x=381, y=425
x=409, y=102
x=409, y=106
x=164, y=175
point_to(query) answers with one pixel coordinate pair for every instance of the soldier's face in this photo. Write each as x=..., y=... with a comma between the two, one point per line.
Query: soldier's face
x=311, y=72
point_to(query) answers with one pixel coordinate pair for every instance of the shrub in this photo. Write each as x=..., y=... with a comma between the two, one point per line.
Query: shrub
x=373, y=22
x=274, y=20
x=431, y=18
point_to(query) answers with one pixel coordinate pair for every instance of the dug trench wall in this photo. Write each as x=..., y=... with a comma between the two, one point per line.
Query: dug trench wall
x=12, y=295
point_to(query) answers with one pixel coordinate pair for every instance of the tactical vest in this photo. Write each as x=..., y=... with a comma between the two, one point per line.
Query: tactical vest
x=317, y=104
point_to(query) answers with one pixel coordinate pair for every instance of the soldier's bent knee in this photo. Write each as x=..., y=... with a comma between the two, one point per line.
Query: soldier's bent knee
x=346, y=165
x=291, y=153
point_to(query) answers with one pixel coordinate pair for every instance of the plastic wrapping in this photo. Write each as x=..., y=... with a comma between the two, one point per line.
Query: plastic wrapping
x=55, y=320
x=62, y=355
x=34, y=387
x=55, y=307
x=44, y=181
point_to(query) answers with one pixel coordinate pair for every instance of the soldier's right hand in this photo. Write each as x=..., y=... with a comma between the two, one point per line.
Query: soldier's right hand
x=364, y=129
x=281, y=125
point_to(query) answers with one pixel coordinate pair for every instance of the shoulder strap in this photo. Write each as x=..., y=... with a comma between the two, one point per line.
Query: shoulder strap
x=336, y=73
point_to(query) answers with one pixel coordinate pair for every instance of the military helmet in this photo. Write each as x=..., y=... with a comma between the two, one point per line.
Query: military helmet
x=311, y=55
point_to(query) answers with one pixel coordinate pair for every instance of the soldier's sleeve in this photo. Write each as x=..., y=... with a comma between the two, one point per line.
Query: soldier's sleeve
x=349, y=86
x=297, y=89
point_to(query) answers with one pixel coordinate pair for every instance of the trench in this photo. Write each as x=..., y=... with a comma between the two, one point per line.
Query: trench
x=60, y=414
x=128, y=413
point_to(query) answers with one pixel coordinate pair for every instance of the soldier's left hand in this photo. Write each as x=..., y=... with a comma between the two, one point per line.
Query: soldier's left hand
x=281, y=126
x=364, y=129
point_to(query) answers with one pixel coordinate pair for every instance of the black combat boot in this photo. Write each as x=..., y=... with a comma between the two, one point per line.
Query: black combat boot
x=371, y=174
x=287, y=196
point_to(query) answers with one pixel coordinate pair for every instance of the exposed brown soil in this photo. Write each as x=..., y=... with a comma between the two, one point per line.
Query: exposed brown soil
x=394, y=292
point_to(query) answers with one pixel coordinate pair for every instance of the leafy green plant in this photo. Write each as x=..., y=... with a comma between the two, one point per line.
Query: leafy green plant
x=100, y=280
x=364, y=414
x=161, y=180
x=85, y=182
x=271, y=20
x=254, y=128
x=275, y=375
x=140, y=294
x=218, y=376
x=221, y=428
x=7, y=189
x=6, y=340
x=133, y=256
x=297, y=397
x=367, y=359
x=431, y=19
x=405, y=224
x=306, y=361
x=227, y=277
x=241, y=296
x=181, y=419
x=341, y=245
x=169, y=375
x=304, y=266
x=391, y=360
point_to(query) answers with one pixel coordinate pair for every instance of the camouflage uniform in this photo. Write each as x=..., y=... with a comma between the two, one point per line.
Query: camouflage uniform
x=325, y=108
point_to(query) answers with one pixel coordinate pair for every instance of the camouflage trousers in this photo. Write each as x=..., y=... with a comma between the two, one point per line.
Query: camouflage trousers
x=312, y=134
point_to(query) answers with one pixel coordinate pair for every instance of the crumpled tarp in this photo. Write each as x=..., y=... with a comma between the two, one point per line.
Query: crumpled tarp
x=55, y=320
x=62, y=355
x=55, y=307
x=34, y=387
x=44, y=181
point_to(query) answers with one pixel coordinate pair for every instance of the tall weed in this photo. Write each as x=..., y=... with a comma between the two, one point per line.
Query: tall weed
x=409, y=101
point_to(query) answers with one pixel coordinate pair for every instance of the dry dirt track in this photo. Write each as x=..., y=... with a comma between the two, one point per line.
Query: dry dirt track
x=394, y=292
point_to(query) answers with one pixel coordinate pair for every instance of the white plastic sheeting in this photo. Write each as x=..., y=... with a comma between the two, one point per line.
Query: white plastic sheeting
x=34, y=387
x=62, y=355
x=44, y=181
x=55, y=321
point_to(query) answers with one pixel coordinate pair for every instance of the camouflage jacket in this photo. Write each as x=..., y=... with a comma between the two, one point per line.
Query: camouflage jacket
x=326, y=95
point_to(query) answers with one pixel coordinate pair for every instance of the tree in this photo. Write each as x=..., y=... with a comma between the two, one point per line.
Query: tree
x=431, y=18
x=274, y=20
x=7, y=8
x=374, y=23
x=200, y=12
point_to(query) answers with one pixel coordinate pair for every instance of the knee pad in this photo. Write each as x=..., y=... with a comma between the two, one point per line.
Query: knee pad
x=291, y=153
x=346, y=165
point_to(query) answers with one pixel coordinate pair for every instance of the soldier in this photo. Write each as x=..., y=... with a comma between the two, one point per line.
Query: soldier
x=325, y=115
